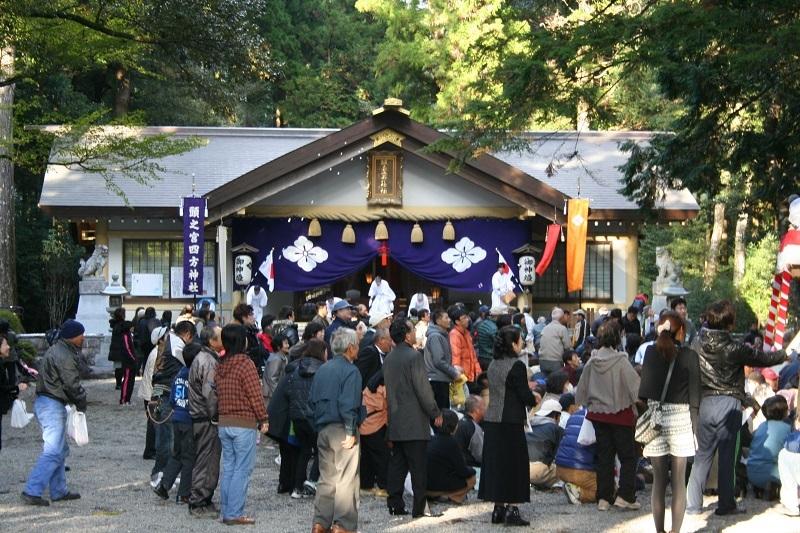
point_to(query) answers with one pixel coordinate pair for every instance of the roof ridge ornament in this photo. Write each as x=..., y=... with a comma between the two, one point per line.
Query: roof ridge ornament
x=392, y=104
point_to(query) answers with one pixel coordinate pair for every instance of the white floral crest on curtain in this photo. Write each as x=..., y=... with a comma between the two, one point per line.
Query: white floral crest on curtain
x=305, y=254
x=463, y=255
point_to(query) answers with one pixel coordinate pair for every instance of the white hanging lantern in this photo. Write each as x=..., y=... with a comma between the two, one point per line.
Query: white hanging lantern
x=243, y=269
x=527, y=270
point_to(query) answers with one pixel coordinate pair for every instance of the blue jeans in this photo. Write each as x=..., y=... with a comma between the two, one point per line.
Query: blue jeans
x=49, y=468
x=238, y=461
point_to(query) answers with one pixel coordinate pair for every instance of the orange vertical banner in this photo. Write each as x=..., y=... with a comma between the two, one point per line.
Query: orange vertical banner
x=577, y=225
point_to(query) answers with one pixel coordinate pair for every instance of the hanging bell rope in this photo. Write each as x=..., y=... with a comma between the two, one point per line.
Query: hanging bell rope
x=314, y=228
x=449, y=232
x=416, y=234
x=381, y=231
x=349, y=235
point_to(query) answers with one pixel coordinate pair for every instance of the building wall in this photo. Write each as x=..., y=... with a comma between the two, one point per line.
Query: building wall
x=424, y=185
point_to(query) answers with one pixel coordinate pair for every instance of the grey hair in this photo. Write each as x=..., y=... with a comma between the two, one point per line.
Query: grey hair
x=380, y=333
x=557, y=313
x=343, y=338
x=208, y=333
x=472, y=402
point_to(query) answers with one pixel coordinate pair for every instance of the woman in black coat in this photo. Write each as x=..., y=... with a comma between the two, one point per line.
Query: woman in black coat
x=504, y=472
x=115, y=348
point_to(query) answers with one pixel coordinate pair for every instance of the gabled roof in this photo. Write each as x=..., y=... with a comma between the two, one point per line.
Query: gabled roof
x=240, y=166
x=485, y=171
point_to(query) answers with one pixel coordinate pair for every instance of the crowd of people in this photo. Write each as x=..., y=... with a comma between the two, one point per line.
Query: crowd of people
x=441, y=403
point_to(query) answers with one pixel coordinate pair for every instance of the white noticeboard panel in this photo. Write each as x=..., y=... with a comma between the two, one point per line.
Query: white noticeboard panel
x=176, y=283
x=147, y=285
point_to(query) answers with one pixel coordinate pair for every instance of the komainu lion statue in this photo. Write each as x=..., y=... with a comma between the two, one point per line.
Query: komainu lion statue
x=668, y=271
x=92, y=268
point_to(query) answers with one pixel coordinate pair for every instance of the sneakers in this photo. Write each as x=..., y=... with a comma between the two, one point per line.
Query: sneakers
x=304, y=493
x=573, y=493
x=603, y=505
x=310, y=485
x=156, y=479
x=621, y=503
x=789, y=512
x=27, y=499
x=278, y=460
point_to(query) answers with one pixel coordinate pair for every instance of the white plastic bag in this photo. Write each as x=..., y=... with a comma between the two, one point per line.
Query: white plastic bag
x=587, y=437
x=76, y=426
x=19, y=414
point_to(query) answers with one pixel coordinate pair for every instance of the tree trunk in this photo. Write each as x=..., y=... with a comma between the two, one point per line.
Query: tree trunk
x=122, y=92
x=714, y=247
x=739, y=248
x=8, y=270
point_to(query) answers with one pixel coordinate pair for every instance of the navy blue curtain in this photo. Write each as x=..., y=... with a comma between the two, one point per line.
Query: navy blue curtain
x=303, y=263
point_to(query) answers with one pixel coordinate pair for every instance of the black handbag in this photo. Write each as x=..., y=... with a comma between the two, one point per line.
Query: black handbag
x=648, y=425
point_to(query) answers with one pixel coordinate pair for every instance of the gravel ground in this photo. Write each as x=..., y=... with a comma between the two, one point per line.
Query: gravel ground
x=116, y=496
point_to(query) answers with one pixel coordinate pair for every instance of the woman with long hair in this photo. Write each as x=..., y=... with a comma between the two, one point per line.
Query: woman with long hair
x=609, y=388
x=670, y=450
x=504, y=472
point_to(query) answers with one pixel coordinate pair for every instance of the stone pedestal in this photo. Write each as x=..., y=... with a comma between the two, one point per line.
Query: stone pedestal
x=92, y=305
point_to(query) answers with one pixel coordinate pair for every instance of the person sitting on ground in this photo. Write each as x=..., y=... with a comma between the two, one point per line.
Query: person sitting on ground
x=572, y=364
x=469, y=433
x=449, y=477
x=768, y=439
x=789, y=469
x=543, y=440
x=771, y=378
x=568, y=407
x=557, y=384
x=630, y=322
x=575, y=463
x=183, y=450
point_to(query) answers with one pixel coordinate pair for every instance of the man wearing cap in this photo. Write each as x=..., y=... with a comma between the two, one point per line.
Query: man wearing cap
x=543, y=441
x=581, y=330
x=59, y=384
x=376, y=322
x=342, y=315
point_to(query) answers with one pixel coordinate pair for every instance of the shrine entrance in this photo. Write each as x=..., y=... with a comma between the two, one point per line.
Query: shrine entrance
x=403, y=282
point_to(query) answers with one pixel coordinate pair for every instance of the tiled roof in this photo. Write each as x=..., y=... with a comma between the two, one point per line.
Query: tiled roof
x=231, y=152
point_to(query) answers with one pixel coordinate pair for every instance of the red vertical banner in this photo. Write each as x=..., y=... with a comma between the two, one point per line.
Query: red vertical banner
x=551, y=240
x=577, y=225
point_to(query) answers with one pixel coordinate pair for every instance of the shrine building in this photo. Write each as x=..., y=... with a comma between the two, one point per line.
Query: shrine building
x=338, y=206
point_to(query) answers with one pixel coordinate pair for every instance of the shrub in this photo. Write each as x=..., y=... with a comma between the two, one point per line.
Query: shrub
x=26, y=351
x=13, y=320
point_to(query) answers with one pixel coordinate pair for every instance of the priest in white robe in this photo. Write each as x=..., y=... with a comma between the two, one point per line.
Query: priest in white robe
x=381, y=297
x=501, y=285
x=257, y=299
x=419, y=302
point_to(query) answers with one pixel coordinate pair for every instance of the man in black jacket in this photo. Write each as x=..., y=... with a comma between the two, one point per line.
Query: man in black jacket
x=411, y=407
x=370, y=358
x=469, y=434
x=448, y=475
x=722, y=361
x=59, y=384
